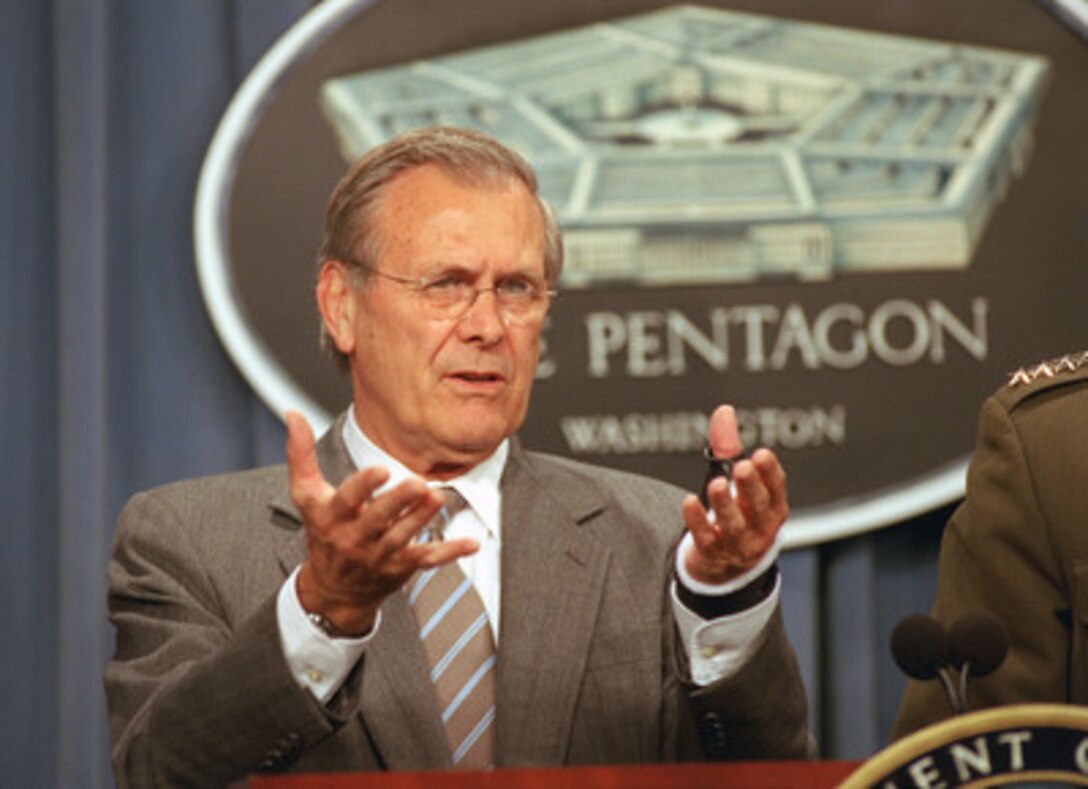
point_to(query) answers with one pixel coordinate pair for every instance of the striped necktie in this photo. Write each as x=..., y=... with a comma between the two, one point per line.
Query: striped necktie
x=457, y=640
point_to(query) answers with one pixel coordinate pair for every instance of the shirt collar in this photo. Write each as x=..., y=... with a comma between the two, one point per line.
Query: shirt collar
x=479, y=485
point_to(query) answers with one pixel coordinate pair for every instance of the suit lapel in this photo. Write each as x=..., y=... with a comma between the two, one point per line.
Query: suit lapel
x=398, y=696
x=553, y=574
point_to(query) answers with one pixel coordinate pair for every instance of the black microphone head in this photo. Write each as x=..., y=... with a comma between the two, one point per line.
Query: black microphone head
x=980, y=641
x=920, y=646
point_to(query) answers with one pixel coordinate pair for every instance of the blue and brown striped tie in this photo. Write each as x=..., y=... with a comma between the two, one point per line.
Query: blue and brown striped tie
x=457, y=640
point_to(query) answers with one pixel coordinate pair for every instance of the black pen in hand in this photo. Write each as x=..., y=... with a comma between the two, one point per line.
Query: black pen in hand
x=717, y=467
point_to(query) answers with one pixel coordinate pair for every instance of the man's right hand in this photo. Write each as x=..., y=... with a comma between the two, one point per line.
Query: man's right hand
x=360, y=546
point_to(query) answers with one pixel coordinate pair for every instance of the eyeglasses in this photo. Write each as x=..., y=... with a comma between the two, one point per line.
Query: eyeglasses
x=447, y=297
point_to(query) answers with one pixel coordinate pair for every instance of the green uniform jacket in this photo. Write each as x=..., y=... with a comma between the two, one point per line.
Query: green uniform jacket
x=1017, y=547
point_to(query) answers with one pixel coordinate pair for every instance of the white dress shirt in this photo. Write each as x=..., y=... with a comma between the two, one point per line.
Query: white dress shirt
x=716, y=649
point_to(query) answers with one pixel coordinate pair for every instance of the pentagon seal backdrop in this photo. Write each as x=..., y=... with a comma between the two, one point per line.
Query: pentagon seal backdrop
x=851, y=221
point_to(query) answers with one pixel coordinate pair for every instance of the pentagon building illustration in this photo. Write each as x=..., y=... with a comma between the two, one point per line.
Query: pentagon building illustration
x=693, y=145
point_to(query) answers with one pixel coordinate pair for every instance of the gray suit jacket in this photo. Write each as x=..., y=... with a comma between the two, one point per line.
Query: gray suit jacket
x=588, y=669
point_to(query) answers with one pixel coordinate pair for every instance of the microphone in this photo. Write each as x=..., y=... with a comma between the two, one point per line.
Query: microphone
x=920, y=646
x=921, y=649
x=975, y=645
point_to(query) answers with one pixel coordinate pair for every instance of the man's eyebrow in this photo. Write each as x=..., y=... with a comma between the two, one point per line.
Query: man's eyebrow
x=445, y=268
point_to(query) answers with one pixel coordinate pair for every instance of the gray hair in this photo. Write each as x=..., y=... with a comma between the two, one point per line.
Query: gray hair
x=351, y=235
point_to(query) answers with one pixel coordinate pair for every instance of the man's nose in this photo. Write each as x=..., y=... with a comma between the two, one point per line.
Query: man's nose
x=482, y=321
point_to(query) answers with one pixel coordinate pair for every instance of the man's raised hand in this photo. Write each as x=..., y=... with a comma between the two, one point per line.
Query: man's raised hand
x=744, y=524
x=361, y=545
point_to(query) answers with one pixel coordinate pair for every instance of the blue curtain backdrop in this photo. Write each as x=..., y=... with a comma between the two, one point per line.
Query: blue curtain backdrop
x=113, y=380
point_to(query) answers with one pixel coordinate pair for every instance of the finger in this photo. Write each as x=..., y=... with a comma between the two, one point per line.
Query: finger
x=722, y=432
x=774, y=478
x=304, y=474
x=753, y=499
x=426, y=556
x=433, y=554
x=727, y=514
x=764, y=509
x=410, y=499
x=703, y=532
x=409, y=520
x=355, y=491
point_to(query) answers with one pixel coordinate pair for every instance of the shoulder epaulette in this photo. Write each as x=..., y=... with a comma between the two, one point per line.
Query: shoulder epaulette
x=1049, y=370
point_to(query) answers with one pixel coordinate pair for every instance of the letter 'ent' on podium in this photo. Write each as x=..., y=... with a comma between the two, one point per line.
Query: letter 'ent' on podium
x=1018, y=745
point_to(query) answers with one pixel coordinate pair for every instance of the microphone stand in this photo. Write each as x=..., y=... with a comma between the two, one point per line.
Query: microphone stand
x=957, y=698
x=963, y=683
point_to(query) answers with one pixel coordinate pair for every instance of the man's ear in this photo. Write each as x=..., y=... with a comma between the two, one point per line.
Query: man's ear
x=336, y=298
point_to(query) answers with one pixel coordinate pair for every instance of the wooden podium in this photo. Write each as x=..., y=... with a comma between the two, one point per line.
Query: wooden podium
x=751, y=775
x=1017, y=744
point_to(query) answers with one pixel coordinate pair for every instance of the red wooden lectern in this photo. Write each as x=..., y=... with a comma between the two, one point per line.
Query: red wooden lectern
x=751, y=775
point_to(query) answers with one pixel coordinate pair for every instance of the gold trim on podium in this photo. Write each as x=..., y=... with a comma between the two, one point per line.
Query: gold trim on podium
x=994, y=747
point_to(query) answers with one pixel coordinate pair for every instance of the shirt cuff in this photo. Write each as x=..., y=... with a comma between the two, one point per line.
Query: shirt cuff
x=317, y=662
x=717, y=649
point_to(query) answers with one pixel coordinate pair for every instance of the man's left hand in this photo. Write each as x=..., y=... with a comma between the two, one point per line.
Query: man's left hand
x=740, y=527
